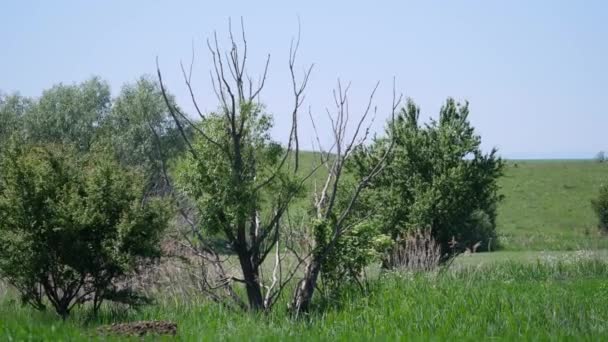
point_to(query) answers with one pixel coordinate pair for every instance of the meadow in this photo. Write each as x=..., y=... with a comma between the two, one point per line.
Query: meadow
x=547, y=282
x=547, y=300
x=547, y=205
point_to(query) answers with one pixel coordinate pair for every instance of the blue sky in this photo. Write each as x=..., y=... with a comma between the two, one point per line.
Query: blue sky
x=534, y=72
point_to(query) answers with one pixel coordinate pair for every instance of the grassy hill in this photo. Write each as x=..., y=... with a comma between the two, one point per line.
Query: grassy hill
x=547, y=205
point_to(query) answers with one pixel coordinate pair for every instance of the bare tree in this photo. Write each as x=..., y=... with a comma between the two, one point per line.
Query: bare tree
x=335, y=160
x=251, y=234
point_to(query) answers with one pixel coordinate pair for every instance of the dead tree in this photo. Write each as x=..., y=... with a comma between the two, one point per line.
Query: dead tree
x=250, y=236
x=335, y=160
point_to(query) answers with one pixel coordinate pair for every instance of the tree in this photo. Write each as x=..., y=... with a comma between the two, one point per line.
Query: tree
x=72, y=226
x=12, y=109
x=240, y=180
x=69, y=114
x=341, y=240
x=600, y=206
x=437, y=178
x=126, y=130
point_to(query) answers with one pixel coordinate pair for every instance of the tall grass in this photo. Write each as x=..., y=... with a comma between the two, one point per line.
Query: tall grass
x=566, y=299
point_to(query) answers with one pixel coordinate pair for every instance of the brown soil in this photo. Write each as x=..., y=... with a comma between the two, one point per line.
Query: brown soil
x=140, y=328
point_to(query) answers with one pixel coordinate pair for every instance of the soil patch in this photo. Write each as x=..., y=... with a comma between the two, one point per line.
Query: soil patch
x=140, y=328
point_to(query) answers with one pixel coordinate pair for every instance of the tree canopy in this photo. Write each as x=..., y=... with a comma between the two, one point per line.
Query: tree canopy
x=437, y=178
x=70, y=226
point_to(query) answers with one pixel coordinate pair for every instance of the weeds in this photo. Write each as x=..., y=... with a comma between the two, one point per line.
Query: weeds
x=553, y=298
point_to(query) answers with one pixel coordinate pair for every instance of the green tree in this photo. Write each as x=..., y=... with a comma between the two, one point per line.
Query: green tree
x=12, y=110
x=128, y=131
x=600, y=206
x=437, y=178
x=240, y=180
x=69, y=114
x=72, y=226
x=242, y=198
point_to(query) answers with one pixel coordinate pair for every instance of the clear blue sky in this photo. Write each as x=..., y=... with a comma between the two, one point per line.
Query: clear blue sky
x=534, y=72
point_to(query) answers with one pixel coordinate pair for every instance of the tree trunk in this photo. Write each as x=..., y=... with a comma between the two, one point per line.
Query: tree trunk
x=306, y=287
x=252, y=281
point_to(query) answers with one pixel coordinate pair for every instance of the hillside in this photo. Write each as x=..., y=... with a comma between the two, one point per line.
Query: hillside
x=547, y=205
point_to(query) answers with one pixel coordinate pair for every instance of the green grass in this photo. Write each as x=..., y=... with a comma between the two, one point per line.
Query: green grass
x=508, y=301
x=526, y=257
x=547, y=205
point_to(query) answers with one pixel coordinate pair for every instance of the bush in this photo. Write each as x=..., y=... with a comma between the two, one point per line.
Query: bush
x=359, y=246
x=600, y=206
x=437, y=177
x=71, y=229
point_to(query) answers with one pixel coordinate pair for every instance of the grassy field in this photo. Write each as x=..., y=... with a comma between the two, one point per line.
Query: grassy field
x=547, y=205
x=526, y=257
x=558, y=300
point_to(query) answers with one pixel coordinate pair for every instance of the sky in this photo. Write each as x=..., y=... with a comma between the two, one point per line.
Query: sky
x=534, y=72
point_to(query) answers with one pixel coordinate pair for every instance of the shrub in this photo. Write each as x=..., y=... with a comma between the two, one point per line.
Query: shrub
x=71, y=229
x=437, y=177
x=600, y=206
x=360, y=246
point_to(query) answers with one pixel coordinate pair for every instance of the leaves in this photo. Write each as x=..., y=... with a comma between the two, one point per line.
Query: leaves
x=600, y=206
x=69, y=114
x=225, y=193
x=437, y=177
x=72, y=223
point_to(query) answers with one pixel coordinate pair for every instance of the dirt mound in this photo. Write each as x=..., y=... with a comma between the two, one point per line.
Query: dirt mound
x=140, y=328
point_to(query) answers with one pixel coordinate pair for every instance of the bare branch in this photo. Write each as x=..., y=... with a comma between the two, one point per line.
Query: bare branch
x=375, y=170
x=298, y=97
x=298, y=90
x=263, y=80
x=172, y=112
x=363, y=117
x=188, y=81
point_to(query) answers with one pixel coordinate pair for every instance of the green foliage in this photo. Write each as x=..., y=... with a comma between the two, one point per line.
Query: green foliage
x=12, y=109
x=356, y=249
x=227, y=190
x=242, y=183
x=600, y=206
x=127, y=131
x=69, y=114
x=85, y=116
x=361, y=243
x=71, y=227
x=437, y=177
